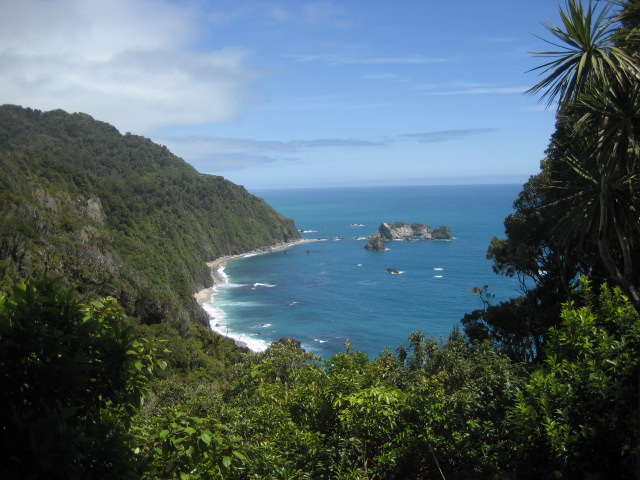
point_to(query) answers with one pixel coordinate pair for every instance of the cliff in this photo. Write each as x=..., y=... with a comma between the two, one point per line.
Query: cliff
x=118, y=214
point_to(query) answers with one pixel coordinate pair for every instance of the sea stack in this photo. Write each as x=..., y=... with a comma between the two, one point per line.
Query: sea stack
x=375, y=243
x=405, y=231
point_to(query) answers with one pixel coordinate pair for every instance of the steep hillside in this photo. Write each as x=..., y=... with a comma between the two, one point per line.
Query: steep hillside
x=118, y=215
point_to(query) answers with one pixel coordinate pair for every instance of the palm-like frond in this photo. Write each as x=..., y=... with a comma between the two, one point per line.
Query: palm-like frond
x=596, y=154
x=629, y=14
x=586, y=55
x=575, y=189
x=577, y=185
x=619, y=142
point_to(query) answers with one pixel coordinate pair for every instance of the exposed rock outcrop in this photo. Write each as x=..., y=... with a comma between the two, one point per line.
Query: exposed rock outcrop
x=95, y=211
x=405, y=231
x=375, y=243
x=401, y=230
x=441, y=233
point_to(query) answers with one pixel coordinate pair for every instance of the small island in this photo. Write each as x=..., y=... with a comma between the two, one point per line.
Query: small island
x=406, y=231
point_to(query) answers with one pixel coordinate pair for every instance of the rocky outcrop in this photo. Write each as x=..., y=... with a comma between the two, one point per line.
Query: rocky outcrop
x=405, y=231
x=375, y=243
x=95, y=211
x=401, y=230
x=441, y=233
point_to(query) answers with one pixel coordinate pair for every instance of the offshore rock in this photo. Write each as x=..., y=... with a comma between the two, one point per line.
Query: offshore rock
x=405, y=231
x=375, y=243
x=441, y=233
x=401, y=230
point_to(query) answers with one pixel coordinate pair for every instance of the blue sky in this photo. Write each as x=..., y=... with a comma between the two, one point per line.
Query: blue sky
x=280, y=94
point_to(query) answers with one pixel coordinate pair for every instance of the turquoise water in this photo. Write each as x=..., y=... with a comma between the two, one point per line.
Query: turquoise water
x=327, y=292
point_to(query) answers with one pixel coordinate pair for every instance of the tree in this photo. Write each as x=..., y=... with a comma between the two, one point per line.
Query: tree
x=71, y=376
x=576, y=417
x=596, y=85
x=547, y=268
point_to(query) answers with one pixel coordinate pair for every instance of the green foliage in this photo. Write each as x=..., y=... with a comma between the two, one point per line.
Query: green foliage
x=578, y=415
x=451, y=409
x=71, y=377
x=433, y=406
x=89, y=391
x=118, y=215
x=202, y=355
x=594, y=161
x=535, y=251
x=512, y=328
x=586, y=55
x=177, y=445
x=580, y=214
x=458, y=397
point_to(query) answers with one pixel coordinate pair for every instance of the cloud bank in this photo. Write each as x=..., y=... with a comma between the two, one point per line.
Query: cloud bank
x=130, y=63
x=210, y=153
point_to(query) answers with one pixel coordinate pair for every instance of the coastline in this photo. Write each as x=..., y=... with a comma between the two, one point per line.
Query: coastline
x=205, y=297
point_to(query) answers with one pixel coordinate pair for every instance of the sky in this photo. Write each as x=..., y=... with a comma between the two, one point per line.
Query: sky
x=293, y=94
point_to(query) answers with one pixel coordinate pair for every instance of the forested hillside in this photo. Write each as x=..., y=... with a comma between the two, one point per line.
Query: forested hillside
x=545, y=386
x=117, y=215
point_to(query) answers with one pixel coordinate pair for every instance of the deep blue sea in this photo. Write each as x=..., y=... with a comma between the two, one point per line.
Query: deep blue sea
x=326, y=292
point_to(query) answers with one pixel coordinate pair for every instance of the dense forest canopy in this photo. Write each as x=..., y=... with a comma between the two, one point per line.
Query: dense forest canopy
x=128, y=386
x=118, y=215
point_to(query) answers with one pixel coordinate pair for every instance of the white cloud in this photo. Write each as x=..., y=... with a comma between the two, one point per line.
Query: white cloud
x=278, y=13
x=125, y=62
x=320, y=14
x=471, y=89
x=210, y=154
x=324, y=13
x=350, y=59
x=192, y=147
x=447, y=135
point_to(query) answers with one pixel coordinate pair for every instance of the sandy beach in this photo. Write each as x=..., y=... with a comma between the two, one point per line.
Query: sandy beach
x=205, y=295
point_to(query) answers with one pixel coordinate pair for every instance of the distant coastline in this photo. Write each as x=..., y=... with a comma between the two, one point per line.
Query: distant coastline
x=339, y=290
x=219, y=278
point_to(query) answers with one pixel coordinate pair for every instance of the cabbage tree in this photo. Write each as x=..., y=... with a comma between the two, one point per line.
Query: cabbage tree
x=596, y=86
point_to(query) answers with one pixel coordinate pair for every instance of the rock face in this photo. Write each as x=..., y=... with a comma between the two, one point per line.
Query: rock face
x=405, y=231
x=375, y=243
x=401, y=230
x=441, y=233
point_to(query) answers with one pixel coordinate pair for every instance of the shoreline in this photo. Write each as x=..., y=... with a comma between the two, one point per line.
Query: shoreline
x=219, y=278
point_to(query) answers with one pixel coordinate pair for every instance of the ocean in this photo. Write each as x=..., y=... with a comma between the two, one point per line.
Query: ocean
x=333, y=291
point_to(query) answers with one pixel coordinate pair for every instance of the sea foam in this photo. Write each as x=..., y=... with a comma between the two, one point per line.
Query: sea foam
x=219, y=322
x=344, y=291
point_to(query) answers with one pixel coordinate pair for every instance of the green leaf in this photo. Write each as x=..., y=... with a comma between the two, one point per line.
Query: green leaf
x=239, y=456
x=206, y=438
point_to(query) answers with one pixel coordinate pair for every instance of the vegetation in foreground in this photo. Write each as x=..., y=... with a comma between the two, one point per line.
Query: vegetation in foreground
x=542, y=386
x=102, y=400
